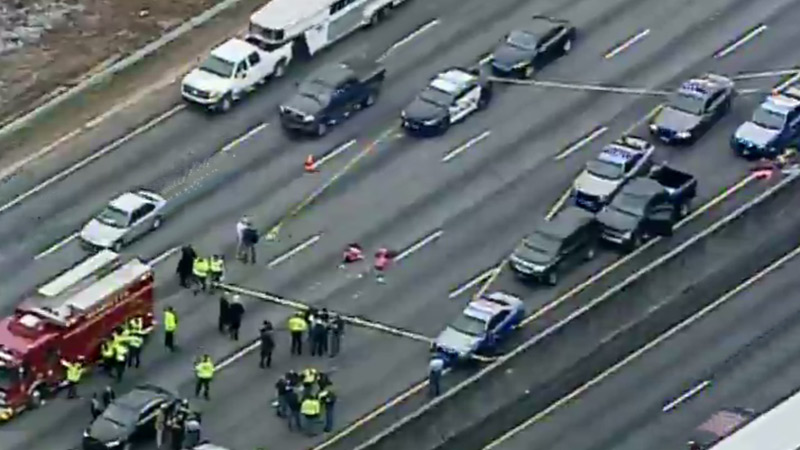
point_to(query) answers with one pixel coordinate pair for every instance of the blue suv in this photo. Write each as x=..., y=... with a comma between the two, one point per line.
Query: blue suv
x=775, y=125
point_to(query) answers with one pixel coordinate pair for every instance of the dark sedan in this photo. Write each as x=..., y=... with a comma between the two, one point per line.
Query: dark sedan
x=130, y=418
x=696, y=106
x=526, y=50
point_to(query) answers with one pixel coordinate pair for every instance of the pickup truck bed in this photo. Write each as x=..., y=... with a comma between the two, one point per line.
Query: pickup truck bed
x=367, y=71
x=676, y=182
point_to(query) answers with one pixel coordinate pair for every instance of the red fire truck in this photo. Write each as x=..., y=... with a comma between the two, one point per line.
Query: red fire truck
x=67, y=318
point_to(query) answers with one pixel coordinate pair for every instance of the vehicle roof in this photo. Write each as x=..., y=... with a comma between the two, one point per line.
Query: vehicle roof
x=485, y=308
x=540, y=25
x=617, y=154
x=279, y=14
x=643, y=187
x=704, y=86
x=95, y=265
x=565, y=222
x=781, y=103
x=128, y=201
x=141, y=396
x=721, y=424
x=453, y=81
x=209, y=446
x=233, y=50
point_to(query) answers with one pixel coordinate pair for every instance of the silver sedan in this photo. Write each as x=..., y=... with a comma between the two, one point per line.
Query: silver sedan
x=126, y=218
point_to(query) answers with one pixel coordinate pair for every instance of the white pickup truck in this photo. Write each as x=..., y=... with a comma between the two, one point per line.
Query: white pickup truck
x=231, y=70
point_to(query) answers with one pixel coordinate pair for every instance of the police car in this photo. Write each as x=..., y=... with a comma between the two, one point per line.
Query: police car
x=481, y=327
x=774, y=126
x=450, y=97
x=697, y=105
x=619, y=162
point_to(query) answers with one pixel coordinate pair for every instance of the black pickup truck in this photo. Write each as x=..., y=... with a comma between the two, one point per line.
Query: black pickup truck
x=331, y=95
x=648, y=206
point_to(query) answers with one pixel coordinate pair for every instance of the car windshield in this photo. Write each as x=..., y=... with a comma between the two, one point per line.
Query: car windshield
x=629, y=204
x=8, y=376
x=768, y=119
x=521, y=40
x=469, y=325
x=691, y=104
x=113, y=217
x=119, y=415
x=605, y=169
x=542, y=243
x=217, y=66
x=437, y=97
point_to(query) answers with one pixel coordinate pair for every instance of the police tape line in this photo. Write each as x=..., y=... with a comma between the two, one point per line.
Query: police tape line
x=353, y=320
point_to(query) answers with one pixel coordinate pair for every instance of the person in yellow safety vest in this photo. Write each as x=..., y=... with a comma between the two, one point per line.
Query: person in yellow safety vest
x=136, y=326
x=135, y=342
x=204, y=372
x=297, y=326
x=74, y=374
x=170, y=327
x=310, y=377
x=107, y=355
x=200, y=269
x=310, y=409
x=216, y=269
x=121, y=355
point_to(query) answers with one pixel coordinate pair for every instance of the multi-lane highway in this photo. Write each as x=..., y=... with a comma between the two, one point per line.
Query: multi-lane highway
x=451, y=210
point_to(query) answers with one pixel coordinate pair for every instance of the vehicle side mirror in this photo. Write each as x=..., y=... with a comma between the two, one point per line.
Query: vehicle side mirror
x=661, y=220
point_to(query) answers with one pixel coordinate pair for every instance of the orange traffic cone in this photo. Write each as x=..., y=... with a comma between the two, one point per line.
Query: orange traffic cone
x=310, y=165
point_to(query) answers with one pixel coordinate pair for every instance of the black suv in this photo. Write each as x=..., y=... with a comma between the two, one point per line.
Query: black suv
x=570, y=237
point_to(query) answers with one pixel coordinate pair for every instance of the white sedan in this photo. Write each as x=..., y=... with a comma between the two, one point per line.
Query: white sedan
x=126, y=218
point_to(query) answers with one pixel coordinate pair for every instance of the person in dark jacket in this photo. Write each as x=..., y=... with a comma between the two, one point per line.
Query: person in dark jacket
x=293, y=402
x=184, y=269
x=318, y=334
x=335, y=330
x=236, y=312
x=108, y=396
x=96, y=407
x=224, y=314
x=267, y=345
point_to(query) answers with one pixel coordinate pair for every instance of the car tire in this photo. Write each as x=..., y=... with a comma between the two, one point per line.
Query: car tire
x=280, y=69
x=157, y=223
x=117, y=246
x=322, y=129
x=636, y=241
x=552, y=278
x=529, y=72
x=226, y=103
x=591, y=252
x=370, y=100
x=377, y=17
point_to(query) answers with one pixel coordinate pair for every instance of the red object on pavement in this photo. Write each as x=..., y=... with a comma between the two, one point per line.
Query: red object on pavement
x=353, y=253
x=382, y=259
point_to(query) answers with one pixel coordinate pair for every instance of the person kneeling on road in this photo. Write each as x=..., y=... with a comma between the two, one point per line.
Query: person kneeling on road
x=353, y=253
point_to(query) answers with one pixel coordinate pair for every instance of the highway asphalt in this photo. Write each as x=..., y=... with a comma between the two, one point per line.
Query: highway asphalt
x=744, y=354
x=629, y=317
x=477, y=204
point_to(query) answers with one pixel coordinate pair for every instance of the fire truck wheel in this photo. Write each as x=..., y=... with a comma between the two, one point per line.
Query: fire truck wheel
x=37, y=398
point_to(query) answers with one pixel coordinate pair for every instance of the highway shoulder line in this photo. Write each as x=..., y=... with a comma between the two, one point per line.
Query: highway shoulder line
x=558, y=326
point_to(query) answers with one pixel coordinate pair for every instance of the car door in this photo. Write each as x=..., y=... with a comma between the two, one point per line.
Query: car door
x=240, y=78
x=713, y=109
x=466, y=102
x=793, y=127
x=145, y=425
x=548, y=46
x=660, y=219
x=343, y=100
x=498, y=327
x=142, y=219
x=256, y=70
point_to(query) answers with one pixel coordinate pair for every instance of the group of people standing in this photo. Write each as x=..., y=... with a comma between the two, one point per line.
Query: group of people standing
x=200, y=272
x=324, y=330
x=124, y=348
x=306, y=400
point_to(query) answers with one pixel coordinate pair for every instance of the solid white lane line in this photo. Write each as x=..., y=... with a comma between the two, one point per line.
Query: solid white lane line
x=766, y=74
x=244, y=137
x=485, y=59
x=419, y=244
x=685, y=396
x=452, y=154
x=558, y=204
x=302, y=246
x=625, y=45
x=741, y=41
x=55, y=247
x=582, y=87
x=89, y=159
x=471, y=283
x=162, y=257
x=581, y=143
x=408, y=38
x=334, y=153
x=788, y=82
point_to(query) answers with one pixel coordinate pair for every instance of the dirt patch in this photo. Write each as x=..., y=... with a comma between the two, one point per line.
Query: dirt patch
x=46, y=46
